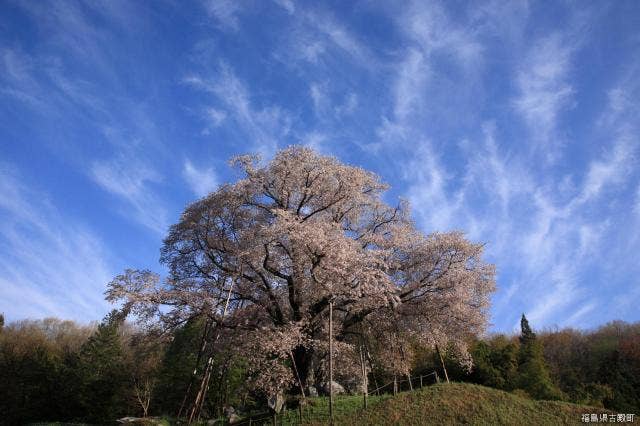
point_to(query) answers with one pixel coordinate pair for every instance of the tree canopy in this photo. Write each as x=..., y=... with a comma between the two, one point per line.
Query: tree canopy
x=288, y=238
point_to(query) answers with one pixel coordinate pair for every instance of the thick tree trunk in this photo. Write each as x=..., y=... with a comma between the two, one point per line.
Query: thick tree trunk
x=302, y=357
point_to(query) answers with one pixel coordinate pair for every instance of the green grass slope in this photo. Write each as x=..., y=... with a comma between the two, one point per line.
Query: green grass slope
x=458, y=403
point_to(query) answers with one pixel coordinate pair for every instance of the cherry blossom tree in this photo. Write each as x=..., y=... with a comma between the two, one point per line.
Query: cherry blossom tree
x=289, y=237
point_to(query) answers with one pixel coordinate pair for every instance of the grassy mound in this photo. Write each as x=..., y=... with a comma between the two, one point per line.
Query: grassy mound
x=458, y=403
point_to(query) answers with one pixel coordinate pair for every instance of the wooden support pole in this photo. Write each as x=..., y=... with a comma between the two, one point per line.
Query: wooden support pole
x=365, y=381
x=201, y=393
x=204, y=385
x=203, y=345
x=444, y=368
x=295, y=368
x=331, y=361
x=375, y=382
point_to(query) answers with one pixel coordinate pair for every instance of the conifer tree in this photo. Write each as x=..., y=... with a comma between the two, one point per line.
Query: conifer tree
x=526, y=334
x=533, y=374
x=495, y=363
x=177, y=367
x=102, y=372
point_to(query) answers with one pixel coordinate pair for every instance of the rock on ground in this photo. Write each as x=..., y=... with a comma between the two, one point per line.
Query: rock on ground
x=337, y=388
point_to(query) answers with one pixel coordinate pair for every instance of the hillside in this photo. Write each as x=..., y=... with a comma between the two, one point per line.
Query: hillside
x=459, y=403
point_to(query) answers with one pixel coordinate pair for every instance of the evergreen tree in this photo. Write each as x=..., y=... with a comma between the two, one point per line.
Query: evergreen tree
x=506, y=360
x=102, y=373
x=176, y=378
x=484, y=371
x=526, y=334
x=177, y=368
x=533, y=374
x=495, y=363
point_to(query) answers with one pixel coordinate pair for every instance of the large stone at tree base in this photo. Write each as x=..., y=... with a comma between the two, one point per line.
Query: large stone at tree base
x=232, y=419
x=276, y=402
x=312, y=391
x=231, y=415
x=354, y=386
x=337, y=388
x=146, y=421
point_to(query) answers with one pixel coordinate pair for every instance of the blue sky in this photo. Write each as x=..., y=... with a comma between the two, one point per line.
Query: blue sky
x=517, y=122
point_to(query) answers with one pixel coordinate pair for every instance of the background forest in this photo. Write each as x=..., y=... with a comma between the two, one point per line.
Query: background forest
x=53, y=369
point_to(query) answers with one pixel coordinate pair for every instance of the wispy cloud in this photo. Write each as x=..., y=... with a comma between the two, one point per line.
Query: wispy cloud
x=201, y=181
x=409, y=87
x=613, y=168
x=439, y=69
x=429, y=25
x=76, y=88
x=576, y=318
x=482, y=117
x=338, y=34
x=320, y=38
x=562, y=292
x=287, y=5
x=327, y=105
x=544, y=86
x=317, y=141
x=18, y=80
x=619, y=132
x=349, y=105
x=318, y=94
x=409, y=103
x=493, y=189
x=568, y=232
x=264, y=126
x=430, y=194
x=540, y=239
x=224, y=12
x=216, y=116
x=129, y=178
x=51, y=266
x=73, y=27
